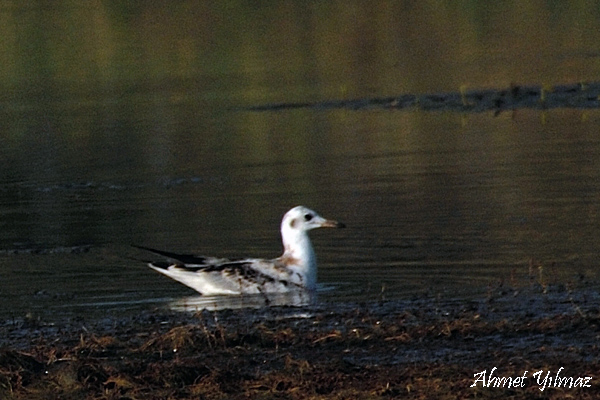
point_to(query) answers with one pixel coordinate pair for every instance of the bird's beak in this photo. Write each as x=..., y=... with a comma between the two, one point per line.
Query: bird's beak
x=328, y=223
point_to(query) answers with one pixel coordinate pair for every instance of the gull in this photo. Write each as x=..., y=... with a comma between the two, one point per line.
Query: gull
x=296, y=269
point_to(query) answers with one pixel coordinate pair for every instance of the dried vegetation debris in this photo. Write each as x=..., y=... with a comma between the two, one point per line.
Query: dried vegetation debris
x=424, y=348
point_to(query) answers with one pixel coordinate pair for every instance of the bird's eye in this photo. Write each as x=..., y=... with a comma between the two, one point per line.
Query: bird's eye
x=308, y=217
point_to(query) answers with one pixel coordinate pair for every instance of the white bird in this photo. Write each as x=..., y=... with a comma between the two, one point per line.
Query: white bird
x=295, y=269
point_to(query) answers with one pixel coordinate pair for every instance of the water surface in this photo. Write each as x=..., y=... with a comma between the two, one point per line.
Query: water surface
x=130, y=125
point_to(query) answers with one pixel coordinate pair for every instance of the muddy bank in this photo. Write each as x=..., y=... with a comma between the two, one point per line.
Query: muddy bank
x=419, y=348
x=581, y=95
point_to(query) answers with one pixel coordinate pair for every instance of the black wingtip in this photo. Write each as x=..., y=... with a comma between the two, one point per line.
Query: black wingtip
x=161, y=265
x=161, y=252
x=137, y=246
x=182, y=258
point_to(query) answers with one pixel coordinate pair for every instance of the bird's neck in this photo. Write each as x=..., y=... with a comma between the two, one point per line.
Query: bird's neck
x=300, y=256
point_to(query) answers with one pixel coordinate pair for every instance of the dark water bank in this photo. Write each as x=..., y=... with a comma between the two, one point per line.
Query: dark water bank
x=580, y=95
x=419, y=348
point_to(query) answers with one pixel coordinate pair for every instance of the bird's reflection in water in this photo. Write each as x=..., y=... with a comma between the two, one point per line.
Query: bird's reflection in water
x=212, y=303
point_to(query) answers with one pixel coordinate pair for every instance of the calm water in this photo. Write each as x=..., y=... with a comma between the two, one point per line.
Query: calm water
x=125, y=125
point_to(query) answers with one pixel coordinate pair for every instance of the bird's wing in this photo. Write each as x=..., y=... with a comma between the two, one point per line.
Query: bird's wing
x=187, y=259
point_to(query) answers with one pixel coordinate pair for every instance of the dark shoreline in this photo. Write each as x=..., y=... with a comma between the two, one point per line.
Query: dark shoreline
x=425, y=347
x=582, y=95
